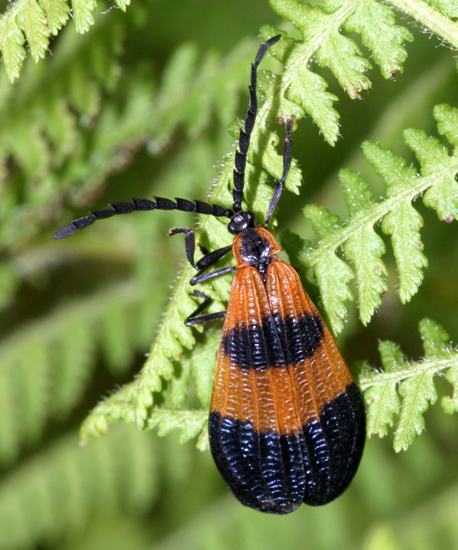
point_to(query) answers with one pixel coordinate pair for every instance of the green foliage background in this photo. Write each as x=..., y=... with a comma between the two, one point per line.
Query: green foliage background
x=142, y=101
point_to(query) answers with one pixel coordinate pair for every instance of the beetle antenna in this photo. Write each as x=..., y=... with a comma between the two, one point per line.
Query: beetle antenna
x=244, y=140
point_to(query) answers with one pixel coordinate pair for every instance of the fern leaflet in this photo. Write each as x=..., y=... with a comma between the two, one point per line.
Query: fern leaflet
x=406, y=388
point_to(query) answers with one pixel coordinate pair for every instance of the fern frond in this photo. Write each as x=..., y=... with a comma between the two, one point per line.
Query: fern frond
x=361, y=245
x=203, y=363
x=41, y=131
x=365, y=248
x=24, y=20
x=322, y=38
x=303, y=91
x=431, y=154
x=123, y=405
x=406, y=388
x=45, y=366
x=173, y=335
x=83, y=13
x=59, y=490
x=120, y=406
x=34, y=22
x=430, y=18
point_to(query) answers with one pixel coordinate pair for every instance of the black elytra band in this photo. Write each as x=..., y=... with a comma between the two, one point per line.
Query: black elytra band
x=277, y=342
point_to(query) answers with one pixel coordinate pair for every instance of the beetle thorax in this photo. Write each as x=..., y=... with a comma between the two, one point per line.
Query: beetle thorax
x=255, y=247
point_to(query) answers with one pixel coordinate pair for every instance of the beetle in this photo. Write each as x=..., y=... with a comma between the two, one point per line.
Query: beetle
x=287, y=422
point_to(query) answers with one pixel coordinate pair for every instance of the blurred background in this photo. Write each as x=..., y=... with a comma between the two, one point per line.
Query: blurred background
x=92, y=124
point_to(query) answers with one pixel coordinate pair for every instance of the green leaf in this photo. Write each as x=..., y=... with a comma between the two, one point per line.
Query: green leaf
x=309, y=91
x=376, y=24
x=302, y=91
x=203, y=363
x=121, y=405
x=282, y=51
x=190, y=423
x=450, y=404
x=35, y=21
x=272, y=161
x=32, y=20
x=331, y=273
x=57, y=14
x=123, y=4
x=324, y=223
x=339, y=53
x=118, y=406
x=364, y=248
x=436, y=343
x=407, y=387
x=335, y=290
x=435, y=161
x=403, y=222
x=398, y=217
x=447, y=122
x=435, y=339
x=177, y=390
x=82, y=14
x=417, y=392
x=382, y=398
x=345, y=60
x=172, y=337
x=11, y=46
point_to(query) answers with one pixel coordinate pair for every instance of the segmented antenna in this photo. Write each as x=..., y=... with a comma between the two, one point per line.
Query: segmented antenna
x=142, y=205
x=278, y=189
x=244, y=140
